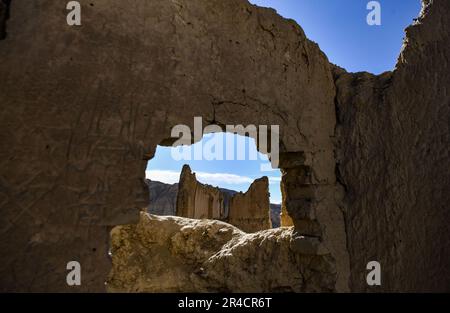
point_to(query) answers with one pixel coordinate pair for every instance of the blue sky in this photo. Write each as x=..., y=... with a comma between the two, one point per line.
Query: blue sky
x=341, y=30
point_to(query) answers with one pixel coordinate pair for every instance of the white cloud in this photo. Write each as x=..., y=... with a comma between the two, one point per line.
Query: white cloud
x=274, y=180
x=222, y=178
x=171, y=177
x=168, y=177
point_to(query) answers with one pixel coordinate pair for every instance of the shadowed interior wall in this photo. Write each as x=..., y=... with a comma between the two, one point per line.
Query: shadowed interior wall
x=394, y=161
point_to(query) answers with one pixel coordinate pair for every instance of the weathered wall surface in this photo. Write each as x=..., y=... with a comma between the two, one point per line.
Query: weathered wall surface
x=250, y=211
x=174, y=254
x=83, y=109
x=394, y=161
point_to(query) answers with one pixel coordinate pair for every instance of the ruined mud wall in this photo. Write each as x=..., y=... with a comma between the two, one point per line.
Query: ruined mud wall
x=83, y=109
x=250, y=211
x=394, y=161
x=197, y=200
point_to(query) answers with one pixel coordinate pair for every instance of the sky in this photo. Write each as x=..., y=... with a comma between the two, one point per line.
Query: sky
x=340, y=28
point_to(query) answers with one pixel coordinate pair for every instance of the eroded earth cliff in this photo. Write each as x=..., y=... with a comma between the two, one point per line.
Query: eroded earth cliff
x=249, y=211
x=197, y=200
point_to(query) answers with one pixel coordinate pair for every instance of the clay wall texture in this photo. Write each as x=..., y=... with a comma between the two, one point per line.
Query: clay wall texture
x=83, y=108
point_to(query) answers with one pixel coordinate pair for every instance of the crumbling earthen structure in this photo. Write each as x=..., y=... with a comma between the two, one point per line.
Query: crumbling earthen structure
x=249, y=211
x=197, y=200
x=364, y=157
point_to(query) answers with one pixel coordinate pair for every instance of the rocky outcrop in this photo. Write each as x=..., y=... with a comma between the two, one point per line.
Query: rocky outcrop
x=174, y=254
x=250, y=211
